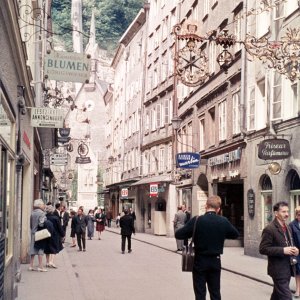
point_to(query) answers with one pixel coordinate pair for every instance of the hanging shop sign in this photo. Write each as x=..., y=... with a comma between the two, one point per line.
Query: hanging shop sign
x=63, y=140
x=124, y=193
x=59, y=159
x=67, y=66
x=274, y=149
x=187, y=160
x=47, y=117
x=225, y=158
x=251, y=203
x=82, y=160
x=153, y=189
x=83, y=151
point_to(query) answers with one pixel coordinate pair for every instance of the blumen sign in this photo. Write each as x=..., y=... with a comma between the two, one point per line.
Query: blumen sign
x=67, y=66
x=187, y=160
x=274, y=149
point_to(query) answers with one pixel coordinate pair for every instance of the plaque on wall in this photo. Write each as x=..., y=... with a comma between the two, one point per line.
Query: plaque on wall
x=251, y=203
x=274, y=149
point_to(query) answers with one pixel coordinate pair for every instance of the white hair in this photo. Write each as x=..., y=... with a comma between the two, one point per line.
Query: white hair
x=38, y=203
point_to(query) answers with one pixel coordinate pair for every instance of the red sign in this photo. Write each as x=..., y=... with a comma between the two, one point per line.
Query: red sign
x=124, y=193
x=26, y=139
x=153, y=189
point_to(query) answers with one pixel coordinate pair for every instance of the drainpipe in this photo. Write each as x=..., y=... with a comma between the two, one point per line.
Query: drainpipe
x=19, y=172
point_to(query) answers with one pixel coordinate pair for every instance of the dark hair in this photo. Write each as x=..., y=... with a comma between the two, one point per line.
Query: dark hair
x=279, y=204
x=126, y=212
x=57, y=205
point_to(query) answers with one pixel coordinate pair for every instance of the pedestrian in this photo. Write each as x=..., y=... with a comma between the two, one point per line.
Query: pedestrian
x=108, y=218
x=277, y=244
x=57, y=209
x=179, y=221
x=37, y=220
x=64, y=216
x=54, y=245
x=118, y=220
x=90, y=224
x=72, y=235
x=295, y=228
x=127, y=228
x=80, y=223
x=100, y=222
x=211, y=231
x=132, y=213
x=187, y=218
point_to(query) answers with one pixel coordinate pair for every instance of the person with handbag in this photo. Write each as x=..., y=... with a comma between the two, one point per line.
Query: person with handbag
x=100, y=222
x=37, y=220
x=211, y=230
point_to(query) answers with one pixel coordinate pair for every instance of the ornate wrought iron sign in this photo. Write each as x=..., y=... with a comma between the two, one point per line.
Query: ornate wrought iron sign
x=83, y=151
x=274, y=149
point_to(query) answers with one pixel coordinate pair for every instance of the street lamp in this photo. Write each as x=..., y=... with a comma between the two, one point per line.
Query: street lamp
x=176, y=121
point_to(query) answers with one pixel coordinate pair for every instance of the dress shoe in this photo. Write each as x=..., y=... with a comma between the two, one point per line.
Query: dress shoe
x=129, y=251
x=123, y=252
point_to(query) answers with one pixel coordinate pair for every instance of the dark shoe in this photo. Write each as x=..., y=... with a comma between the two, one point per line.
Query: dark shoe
x=123, y=252
x=79, y=250
x=84, y=250
x=129, y=251
x=73, y=246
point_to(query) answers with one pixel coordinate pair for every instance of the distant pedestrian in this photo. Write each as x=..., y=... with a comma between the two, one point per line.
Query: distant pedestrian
x=211, y=231
x=54, y=244
x=132, y=213
x=108, y=218
x=187, y=218
x=127, y=228
x=118, y=220
x=37, y=219
x=179, y=221
x=100, y=222
x=73, y=233
x=90, y=224
x=57, y=209
x=65, y=217
x=277, y=244
x=80, y=223
x=295, y=228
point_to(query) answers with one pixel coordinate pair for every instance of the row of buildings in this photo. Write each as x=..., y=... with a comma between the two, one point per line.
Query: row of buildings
x=225, y=119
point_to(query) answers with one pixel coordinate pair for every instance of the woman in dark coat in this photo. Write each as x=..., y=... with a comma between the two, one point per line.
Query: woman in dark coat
x=295, y=227
x=90, y=224
x=100, y=222
x=54, y=245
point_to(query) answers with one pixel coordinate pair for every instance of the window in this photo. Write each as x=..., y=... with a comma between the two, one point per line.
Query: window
x=166, y=111
x=238, y=30
x=266, y=195
x=295, y=100
x=155, y=78
x=222, y=120
x=251, y=108
x=173, y=19
x=263, y=22
x=276, y=100
x=261, y=104
x=279, y=10
x=190, y=137
x=213, y=57
x=158, y=115
x=184, y=139
x=170, y=160
x=147, y=121
x=153, y=160
x=153, y=119
x=205, y=8
x=161, y=161
x=170, y=109
x=211, y=126
x=201, y=133
x=235, y=113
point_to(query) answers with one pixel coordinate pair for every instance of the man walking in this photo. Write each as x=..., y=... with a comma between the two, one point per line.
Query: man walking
x=127, y=228
x=211, y=231
x=277, y=244
x=179, y=221
x=64, y=215
x=80, y=223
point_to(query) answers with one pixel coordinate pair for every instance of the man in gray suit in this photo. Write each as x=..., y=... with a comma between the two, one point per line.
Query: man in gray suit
x=179, y=221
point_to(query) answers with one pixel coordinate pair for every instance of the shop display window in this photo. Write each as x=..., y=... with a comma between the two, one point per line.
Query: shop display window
x=294, y=183
x=266, y=200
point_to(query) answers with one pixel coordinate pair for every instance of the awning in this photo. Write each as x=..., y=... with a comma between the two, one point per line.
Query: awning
x=161, y=178
x=123, y=183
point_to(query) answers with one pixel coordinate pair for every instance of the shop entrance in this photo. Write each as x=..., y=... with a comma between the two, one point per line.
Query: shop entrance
x=232, y=195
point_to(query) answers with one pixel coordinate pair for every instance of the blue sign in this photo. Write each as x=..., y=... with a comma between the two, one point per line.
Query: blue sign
x=187, y=160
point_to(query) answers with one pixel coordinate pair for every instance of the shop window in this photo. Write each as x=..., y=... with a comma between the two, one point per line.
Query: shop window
x=266, y=200
x=294, y=184
x=160, y=205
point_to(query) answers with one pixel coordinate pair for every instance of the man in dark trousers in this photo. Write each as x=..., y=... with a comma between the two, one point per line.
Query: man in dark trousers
x=64, y=215
x=211, y=231
x=80, y=223
x=277, y=244
x=127, y=228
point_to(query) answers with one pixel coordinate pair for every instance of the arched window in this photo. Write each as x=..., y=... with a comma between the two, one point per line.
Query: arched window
x=266, y=199
x=293, y=182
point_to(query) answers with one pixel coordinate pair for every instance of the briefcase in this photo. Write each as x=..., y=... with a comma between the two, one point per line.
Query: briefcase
x=188, y=256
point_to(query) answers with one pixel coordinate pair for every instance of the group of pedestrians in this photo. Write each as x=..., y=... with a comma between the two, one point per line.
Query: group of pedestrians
x=55, y=220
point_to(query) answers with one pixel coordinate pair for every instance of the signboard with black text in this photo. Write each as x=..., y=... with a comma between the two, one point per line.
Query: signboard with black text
x=47, y=117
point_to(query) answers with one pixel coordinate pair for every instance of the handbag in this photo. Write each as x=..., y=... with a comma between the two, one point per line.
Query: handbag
x=188, y=253
x=41, y=235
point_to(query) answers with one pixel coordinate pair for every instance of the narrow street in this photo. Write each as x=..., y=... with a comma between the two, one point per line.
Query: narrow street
x=149, y=272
